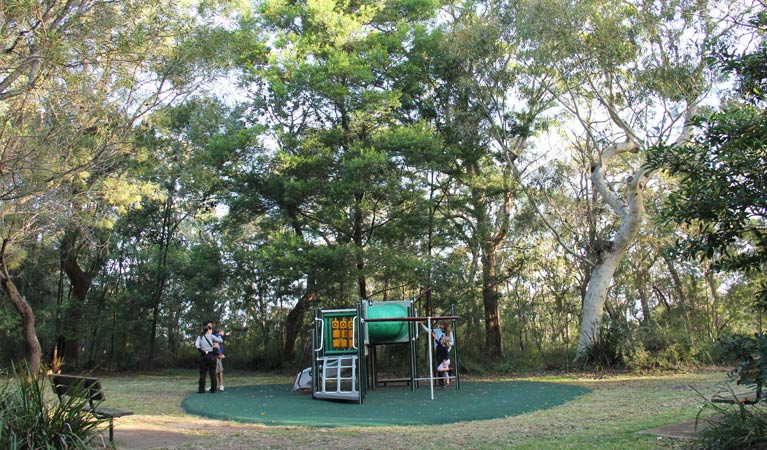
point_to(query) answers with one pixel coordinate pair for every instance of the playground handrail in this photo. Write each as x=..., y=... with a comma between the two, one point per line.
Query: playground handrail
x=322, y=334
x=410, y=319
x=354, y=333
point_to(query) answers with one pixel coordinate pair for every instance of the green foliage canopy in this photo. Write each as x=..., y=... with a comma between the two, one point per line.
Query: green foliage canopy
x=722, y=195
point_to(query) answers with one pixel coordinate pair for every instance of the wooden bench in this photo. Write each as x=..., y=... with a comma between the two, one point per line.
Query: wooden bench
x=387, y=381
x=87, y=388
x=747, y=374
x=746, y=398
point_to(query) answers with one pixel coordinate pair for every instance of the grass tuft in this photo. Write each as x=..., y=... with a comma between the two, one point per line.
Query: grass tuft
x=737, y=427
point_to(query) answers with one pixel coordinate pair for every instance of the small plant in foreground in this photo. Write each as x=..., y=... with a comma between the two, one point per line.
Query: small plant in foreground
x=744, y=426
x=735, y=428
x=31, y=419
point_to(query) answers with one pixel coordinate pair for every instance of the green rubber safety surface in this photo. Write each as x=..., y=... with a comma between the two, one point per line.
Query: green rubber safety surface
x=279, y=405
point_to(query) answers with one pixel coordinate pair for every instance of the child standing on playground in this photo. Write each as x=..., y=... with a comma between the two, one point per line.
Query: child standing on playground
x=443, y=342
x=443, y=356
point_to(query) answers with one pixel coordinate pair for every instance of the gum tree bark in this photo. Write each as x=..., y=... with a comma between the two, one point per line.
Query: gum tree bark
x=34, y=353
x=631, y=213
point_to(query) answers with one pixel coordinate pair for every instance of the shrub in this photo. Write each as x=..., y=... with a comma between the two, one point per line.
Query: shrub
x=732, y=348
x=557, y=357
x=469, y=364
x=659, y=346
x=741, y=427
x=744, y=427
x=607, y=351
x=753, y=366
x=30, y=418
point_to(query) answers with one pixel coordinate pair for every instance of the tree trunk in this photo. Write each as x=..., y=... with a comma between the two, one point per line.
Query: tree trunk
x=80, y=282
x=162, y=258
x=295, y=319
x=594, y=301
x=610, y=253
x=679, y=290
x=715, y=320
x=34, y=352
x=489, y=237
x=296, y=315
x=640, y=279
x=95, y=327
x=359, y=243
x=491, y=302
x=153, y=333
x=112, y=340
x=173, y=321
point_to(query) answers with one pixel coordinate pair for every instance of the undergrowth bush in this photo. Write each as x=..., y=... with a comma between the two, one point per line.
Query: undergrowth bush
x=469, y=364
x=607, y=351
x=733, y=348
x=31, y=417
x=514, y=362
x=558, y=358
x=742, y=426
x=650, y=346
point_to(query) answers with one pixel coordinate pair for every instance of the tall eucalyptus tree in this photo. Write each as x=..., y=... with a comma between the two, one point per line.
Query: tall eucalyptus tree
x=632, y=75
x=189, y=147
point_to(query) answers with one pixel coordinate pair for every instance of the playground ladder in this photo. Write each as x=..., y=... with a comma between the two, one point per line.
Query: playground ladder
x=338, y=377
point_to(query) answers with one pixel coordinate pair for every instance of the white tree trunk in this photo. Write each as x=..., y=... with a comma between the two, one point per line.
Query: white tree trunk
x=594, y=302
x=631, y=213
x=599, y=284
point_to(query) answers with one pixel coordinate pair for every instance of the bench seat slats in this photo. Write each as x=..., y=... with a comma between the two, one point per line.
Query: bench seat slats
x=743, y=397
x=112, y=412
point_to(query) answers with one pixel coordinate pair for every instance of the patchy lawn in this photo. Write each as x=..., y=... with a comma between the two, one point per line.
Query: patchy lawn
x=609, y=417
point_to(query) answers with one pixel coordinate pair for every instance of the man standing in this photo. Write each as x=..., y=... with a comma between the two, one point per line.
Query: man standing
x=207, y=345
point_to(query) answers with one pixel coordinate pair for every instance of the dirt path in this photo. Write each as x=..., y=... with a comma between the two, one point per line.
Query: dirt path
x=142, y=432
x=150, y=432
x=145, y=432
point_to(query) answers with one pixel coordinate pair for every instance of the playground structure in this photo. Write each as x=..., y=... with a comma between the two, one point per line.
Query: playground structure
x=345, y=341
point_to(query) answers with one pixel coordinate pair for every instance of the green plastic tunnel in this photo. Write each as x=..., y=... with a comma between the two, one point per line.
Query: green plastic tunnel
x=395, y=331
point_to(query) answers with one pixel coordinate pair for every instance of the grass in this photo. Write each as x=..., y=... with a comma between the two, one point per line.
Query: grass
x=607, y=418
